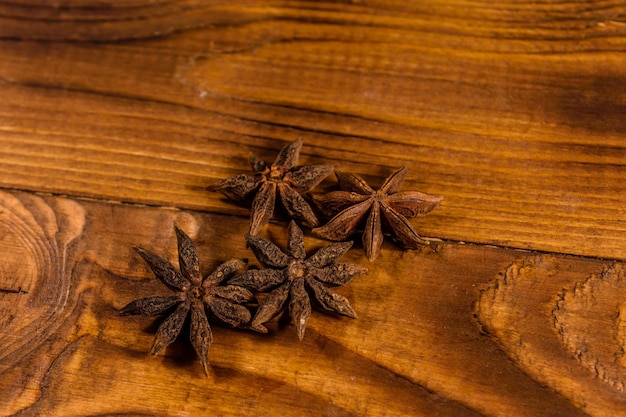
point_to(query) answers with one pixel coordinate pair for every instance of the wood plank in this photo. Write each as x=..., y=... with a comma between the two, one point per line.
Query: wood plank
x=576, y=321
x=461, y=330
x=517, y=121
x=513, y=111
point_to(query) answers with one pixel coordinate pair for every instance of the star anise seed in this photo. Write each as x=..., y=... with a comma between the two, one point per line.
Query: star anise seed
x=194, y=296
x=361, y=207
x=267, y=180
x=293, y=280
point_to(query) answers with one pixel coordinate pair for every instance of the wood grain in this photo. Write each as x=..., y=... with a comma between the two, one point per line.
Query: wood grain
x=517, y=121
x=563, y=330
x=115, y=116
x=418, y=346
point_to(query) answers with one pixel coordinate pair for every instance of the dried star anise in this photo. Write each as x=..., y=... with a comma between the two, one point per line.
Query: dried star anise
x=293, y=279
x=360, y=206
x=193, y=294
x=282, y=177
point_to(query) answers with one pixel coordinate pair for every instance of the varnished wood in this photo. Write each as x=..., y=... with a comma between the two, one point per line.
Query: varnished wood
x=548, y=327
x=115, y=116
x=420, y=344
x=517, y=121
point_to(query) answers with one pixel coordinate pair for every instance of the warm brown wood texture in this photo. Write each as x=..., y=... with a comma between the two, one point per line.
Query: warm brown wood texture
x=513, y=111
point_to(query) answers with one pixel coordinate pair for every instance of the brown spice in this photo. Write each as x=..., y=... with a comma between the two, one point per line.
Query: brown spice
x=193, y=295
x=361, y=207
x=282, y=178
x=293, y=279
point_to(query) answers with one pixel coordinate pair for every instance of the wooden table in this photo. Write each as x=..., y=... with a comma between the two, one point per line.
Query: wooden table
x=115, y=116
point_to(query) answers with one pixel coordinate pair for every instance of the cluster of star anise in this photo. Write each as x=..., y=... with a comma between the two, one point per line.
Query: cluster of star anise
x=354, y=208
x=290, y=279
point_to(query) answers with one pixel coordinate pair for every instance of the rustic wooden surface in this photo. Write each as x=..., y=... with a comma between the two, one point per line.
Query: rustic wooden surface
x=115, y=115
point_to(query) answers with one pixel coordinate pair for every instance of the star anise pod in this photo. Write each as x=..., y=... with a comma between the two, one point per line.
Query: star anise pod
x=363, y=208
x=294, y=279
x=281, y=177
x=193, y=296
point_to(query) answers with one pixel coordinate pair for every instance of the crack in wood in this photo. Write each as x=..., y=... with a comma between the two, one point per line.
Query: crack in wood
x=19, y=290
